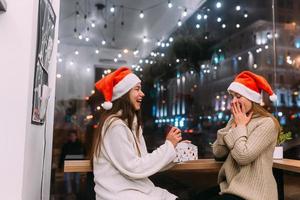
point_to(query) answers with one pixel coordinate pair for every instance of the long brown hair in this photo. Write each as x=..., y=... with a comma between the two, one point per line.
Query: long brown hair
x=258, y=109
x=127, y=115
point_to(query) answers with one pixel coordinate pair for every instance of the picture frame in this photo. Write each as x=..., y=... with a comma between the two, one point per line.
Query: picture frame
x=45, y=43
x=3, y=6
x=46, y=33
x=40, y=80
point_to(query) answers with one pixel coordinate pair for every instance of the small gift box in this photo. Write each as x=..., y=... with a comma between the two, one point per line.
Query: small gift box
x=186, y=151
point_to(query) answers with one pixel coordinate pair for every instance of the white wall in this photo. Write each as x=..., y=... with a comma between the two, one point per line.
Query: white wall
x=21, y=143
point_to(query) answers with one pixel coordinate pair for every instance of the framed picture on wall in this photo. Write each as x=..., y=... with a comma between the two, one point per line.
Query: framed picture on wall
x=46, y=33
x=40, y=81
x=45, y=42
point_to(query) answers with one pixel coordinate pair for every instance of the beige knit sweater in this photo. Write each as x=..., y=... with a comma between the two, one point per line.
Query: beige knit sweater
x=247, y=170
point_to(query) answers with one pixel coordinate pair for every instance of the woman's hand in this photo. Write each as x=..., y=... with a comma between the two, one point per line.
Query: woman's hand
x=174, y=136
x=239, y=114
x=233, y=125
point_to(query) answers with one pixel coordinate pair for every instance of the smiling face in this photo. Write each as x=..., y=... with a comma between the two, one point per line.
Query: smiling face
x=237, y=98
x=136, y=96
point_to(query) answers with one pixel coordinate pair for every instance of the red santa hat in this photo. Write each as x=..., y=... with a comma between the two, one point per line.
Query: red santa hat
x=116, y=84
x=250, y=86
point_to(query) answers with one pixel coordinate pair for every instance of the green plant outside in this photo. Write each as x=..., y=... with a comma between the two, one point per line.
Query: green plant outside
x=283, y=137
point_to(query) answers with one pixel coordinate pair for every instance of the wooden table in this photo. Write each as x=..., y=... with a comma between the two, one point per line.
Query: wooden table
x=201, y=165
x=287, y=164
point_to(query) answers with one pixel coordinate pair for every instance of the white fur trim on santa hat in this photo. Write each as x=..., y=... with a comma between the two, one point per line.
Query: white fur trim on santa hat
x=125, y=85
x=273, y=97
x=107, y=105
x=245, y=91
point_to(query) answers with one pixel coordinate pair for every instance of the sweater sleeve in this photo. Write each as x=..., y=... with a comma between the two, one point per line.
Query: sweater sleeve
x=220, y=149
x=143, y=145
x=246, y=148
x=168, y=166
x=121, y=151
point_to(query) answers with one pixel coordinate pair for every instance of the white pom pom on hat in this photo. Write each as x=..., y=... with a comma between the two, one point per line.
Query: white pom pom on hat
x=273, y=97
x=107, y=105
x=115, y=85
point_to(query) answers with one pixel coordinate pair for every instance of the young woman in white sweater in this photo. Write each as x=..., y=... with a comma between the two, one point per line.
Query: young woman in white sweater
x=247, y=143
x=121, y=163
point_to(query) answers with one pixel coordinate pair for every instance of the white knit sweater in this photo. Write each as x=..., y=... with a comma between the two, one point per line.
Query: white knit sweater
x=247, y=171
x=120, y=174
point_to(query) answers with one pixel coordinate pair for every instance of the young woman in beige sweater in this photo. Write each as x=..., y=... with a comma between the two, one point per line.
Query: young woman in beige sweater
x=247, y=143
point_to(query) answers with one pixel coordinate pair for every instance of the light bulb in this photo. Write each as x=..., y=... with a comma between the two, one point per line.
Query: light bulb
x=170, y=5
x=184, y=13
x=144, y=39
x=199, y=17
x=179, y=23
x=218, y=4
x=141, y=14
x=112, y=9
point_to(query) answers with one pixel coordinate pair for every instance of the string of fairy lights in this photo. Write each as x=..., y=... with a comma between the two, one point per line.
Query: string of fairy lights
x=112, y=8
x=201, y=18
